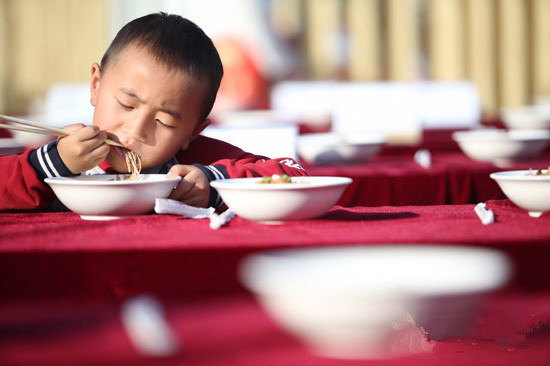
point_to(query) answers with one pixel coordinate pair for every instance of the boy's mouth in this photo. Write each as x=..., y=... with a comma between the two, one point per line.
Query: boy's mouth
x=119, y=152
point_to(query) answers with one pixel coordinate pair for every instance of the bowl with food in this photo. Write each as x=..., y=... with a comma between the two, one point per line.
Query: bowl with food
x=375, y=301
x=111, y=196
x=502, y=147
x=528, y=189
x=339, y=147
x=280, y=198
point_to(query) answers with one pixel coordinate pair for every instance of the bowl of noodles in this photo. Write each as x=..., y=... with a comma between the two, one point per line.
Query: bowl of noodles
x=111, y=196
x=528, y=189
x=276, y=199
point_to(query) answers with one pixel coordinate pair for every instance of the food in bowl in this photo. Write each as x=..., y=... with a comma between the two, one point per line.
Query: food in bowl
x=111, y=196
x=502, y=147
x=368, y=301
x=538, y=172
x=276, y=203
x=528, y=190
x=339, y=147
x=276, y=179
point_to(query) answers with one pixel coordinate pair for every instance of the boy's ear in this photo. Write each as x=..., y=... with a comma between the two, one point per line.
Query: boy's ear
x=95, y=82
x=200, y=127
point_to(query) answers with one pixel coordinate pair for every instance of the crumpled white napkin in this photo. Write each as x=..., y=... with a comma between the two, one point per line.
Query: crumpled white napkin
x=486, y=216
x=423, y=158
x=168, y=206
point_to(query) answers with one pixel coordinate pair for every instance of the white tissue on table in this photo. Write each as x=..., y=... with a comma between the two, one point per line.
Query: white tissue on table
x=423, y=158
x=486, y=216
x=143, y=318
x=168, y=206
x=217, y=221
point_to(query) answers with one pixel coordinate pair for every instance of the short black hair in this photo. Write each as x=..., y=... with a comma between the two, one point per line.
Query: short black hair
x=177, y=42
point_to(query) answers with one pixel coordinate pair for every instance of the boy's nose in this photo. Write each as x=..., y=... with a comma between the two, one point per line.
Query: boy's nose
x=138, y=128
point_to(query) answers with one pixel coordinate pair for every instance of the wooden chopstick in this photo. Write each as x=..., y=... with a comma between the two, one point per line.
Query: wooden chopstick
x=42, y=128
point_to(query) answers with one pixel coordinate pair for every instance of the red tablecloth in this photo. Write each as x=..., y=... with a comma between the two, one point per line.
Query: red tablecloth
x=62, y=279
x=235, y=331
x=45, y=254
x=395, y=179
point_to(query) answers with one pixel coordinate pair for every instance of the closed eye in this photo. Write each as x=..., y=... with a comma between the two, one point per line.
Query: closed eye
x=164, y=124
x=124, y=106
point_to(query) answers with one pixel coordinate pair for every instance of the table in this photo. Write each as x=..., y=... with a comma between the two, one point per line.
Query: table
x=79, y=271
x=236, y=331
x=58, y=253
x=396, y=179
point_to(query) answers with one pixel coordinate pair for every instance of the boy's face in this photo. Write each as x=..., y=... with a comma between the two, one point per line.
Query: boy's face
x=149, y=108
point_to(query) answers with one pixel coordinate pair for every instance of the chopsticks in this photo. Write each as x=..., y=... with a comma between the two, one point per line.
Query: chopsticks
x=41, y=128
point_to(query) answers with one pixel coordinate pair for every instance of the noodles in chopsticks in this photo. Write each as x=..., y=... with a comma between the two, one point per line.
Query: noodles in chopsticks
x=133, y=162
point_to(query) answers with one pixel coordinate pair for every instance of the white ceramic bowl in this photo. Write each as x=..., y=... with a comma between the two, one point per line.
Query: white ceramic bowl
x=10, y=146
x=367, y=301
x=339, y=148
x=502, y=147
x=101, y=197
x=529, y=192
x=305, y=198
x=526, y=117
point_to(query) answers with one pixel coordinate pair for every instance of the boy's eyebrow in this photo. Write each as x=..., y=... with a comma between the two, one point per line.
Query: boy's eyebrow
x=174, y=114
x=132, y=94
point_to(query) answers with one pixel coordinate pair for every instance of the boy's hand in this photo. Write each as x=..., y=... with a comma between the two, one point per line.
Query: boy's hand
x=194, y=188
x=84, y=149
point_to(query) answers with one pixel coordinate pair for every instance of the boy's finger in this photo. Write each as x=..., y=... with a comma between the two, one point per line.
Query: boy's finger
x=76, y=127
x=178, y=171
x=181, y=190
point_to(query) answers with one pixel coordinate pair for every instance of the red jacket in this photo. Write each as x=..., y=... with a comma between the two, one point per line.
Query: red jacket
x=22, y=176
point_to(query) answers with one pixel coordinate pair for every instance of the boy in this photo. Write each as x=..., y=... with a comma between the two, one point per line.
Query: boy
x=153, y=91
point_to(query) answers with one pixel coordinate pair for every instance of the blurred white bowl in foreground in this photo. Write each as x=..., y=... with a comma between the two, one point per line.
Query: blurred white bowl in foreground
x=101, y=197
x=526, y=189
x=526, y=117
x=339, y=147
x=502, y=147
x=366, y=301
x=304, y=198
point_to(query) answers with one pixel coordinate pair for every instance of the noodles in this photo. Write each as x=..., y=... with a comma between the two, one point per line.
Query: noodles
x=133, y=162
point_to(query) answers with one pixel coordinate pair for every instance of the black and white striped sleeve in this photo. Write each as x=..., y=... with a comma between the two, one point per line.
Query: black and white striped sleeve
x=214, y=172
x=47, y=163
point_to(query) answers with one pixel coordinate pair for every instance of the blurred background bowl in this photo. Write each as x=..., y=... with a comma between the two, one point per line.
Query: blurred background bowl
x=304, y=198
x=339, y=147
x=10, y=146
x=533, y=117
x=527, y=190
x=367, y=301
x=502, y=147
x=101, y=197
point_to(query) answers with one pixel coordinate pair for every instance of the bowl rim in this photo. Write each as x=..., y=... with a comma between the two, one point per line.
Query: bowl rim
x=339, y=139
x=250, y=183
x=519, y=175
x=272, y=261
x=501, y=135
x=87, y=180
